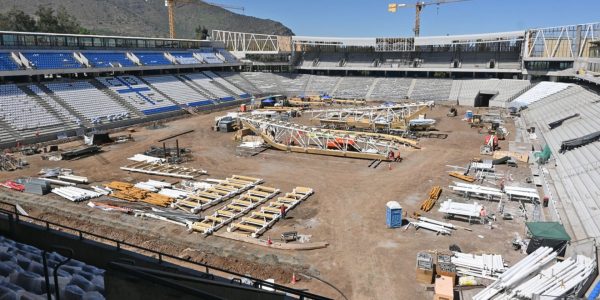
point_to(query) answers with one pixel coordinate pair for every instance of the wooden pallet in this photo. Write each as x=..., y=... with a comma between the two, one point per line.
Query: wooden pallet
x=261, y=220
x=434, y=195
x=235, y=209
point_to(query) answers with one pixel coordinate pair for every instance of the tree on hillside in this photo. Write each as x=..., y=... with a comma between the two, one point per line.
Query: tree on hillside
x=201, y=32
x=46, y=20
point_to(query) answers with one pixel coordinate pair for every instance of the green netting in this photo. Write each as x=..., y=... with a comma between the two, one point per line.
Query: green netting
x=544, y=155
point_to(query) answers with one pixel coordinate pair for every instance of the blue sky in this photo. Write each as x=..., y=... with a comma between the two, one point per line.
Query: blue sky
x=369, y=18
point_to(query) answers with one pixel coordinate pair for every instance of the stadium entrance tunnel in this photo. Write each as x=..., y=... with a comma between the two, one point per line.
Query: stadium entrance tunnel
x=483, y=98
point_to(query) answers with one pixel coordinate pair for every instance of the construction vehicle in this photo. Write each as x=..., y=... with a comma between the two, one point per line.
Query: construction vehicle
x=393, y=7
x=491, y=144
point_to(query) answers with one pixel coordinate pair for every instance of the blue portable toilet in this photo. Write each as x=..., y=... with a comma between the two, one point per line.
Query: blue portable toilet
x=393, y=217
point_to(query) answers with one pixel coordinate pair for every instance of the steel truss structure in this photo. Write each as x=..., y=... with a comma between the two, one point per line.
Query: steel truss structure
x=292, y=137
x=373, y=118
x=570, y=42
x=252, y=42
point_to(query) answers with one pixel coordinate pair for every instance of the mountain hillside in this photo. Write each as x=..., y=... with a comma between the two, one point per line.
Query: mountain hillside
x=148, y=18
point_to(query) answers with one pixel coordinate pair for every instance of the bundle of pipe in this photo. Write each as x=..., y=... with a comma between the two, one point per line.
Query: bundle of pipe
x=179, y=218
x=519, y=272
x=146, y=187
x=75, y=194
x=433, y=227
x=488, y=266
x=73, y=178
x=57, y=182
x=555, y=281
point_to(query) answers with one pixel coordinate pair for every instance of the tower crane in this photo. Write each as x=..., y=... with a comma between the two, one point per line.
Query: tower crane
x=171, y=4
x=392, y=7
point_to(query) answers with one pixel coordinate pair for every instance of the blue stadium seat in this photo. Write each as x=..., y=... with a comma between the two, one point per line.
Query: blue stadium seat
x=152, y=58
x=6, y=62
x=52, y=60
x=108, y=59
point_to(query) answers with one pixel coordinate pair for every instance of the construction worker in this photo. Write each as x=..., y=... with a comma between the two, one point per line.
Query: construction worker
x=282, y=211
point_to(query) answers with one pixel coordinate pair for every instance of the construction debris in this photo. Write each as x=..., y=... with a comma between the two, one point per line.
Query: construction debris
x=75, y=194
x=13, y=186
x=434, y=195
x=10, y=163
x=259, y=222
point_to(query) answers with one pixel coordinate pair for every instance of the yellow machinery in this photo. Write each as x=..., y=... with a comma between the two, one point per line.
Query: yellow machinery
x=171, y=4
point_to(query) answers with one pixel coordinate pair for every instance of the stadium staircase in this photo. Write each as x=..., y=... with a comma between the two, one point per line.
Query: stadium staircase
x=307, y=84
x=44, y=104
x=7, y=133
x=51, y=94
x=411, y=88
x=115, y=97
x=523, y=91
x=221, y=86
x=337, y=84
x=372, y=88
x=196, y=87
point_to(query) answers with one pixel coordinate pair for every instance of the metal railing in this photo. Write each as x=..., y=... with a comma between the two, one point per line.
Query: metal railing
x=15, y=217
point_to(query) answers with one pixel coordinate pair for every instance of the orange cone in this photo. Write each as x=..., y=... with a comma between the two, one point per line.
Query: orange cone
x=269, y=242
x=293, y=278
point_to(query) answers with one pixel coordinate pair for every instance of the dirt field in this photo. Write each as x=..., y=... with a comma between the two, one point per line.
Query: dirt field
x=364, y=259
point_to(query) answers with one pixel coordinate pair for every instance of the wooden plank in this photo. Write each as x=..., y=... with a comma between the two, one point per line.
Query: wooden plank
x=263, y=215
x=245, y=227
x=254, y=221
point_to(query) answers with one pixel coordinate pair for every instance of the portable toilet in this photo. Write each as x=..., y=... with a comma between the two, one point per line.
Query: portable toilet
x=393, y=214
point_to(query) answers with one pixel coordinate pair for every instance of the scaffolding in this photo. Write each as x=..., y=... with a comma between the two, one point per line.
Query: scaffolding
x=292, y=137
x=373, y=118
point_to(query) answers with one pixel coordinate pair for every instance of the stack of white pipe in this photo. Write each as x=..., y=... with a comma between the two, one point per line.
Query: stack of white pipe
x=488, y=266
x=172, y=193
x=158, y=184
x=146, y=158
x=519, y=272
x=433, y=227
x=57, y=182
x=146, y=187
x=75, y=194
x=556, y=280
x=73, y=178
x=432, y=221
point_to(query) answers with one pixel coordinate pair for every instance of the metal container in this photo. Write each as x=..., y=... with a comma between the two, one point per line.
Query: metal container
x=393, y=214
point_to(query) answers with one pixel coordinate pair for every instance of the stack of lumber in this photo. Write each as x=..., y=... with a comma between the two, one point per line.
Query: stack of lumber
x=434, y=195
x=127, y=191
x=462, y=176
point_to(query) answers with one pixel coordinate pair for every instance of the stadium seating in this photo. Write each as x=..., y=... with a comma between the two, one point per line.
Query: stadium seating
x=354, y=87
x=209, y=57
x=360, y=60
x=138, y=94
x=229, y=58
x=178, y=91
x=22, y=274
x=52, y=60
x=108, y=59
x=431, y=89
x=185, y=58
x=23, y=112
x=207, y=84
x=391, y=88
x=6, y=62
x=321, y=84
x=63, y=112
x=294, y=84
x=94, y=105
x=330, y=60
x=266, y=82
x=575, y=173
x=226, y=84
x=538, y=92
x=239, y=81
x=152, y=58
